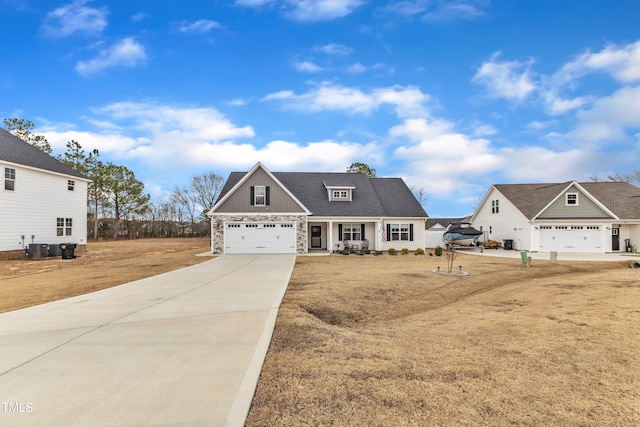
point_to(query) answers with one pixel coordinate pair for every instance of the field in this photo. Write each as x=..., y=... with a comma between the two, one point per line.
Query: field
x=383, y=341
x=24, y=283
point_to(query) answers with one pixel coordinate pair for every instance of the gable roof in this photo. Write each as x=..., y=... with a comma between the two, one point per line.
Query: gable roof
x=236, y=179
x=620, y=198
x=444, y=222
x=372, y=197
x=15, y=150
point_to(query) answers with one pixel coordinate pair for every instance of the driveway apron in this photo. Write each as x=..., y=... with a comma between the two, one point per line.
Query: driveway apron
x=182, y=348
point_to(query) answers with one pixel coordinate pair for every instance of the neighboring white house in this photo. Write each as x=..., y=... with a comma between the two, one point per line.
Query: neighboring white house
x=295, y=212
x=42, y=200
x=596, y=217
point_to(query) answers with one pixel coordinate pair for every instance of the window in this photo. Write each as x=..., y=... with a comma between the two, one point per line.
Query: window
x=351, y=232
x=400, y=232
x=9, y=179
x=64, y=226
x=340, y=194
x=259, y=195
x=572, y=199
x=71, y=185
x=495, y=207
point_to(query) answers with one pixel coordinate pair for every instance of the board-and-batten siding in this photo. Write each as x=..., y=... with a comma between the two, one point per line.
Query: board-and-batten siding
x=239, y=201
x=585, y=208
x=32, y=208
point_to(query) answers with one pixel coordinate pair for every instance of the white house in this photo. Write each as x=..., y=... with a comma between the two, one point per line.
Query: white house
x=297, y=212
x=596, y=217
x=42, y=200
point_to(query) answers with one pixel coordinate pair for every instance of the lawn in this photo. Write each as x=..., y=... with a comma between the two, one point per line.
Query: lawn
x=383, y=341
x=28, y=282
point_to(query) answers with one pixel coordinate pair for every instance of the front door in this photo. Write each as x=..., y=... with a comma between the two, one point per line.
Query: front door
x=615, y=239
x=316, y=236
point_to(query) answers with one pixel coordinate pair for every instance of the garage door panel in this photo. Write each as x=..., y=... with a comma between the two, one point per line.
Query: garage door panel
x=571, y=238
x=272, y=238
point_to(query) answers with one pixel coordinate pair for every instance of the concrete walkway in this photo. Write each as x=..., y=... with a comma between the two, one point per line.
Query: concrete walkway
x=183, y=348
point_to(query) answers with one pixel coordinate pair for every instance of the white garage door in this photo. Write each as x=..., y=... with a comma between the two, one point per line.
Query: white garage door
x=260, y=238
x=571, y=238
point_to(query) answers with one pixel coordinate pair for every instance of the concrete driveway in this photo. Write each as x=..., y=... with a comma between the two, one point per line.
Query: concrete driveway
x=183, y=348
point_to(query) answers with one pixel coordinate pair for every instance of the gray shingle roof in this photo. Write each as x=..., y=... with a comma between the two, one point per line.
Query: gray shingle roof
x=374, y=197
x=15, y=150
x=621, y=198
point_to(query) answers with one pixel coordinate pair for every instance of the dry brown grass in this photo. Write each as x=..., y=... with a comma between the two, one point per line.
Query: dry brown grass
x=24, y=283
x=382, y=341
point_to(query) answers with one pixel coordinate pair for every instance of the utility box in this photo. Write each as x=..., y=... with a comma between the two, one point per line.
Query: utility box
x=54, y=250
x=38, y=250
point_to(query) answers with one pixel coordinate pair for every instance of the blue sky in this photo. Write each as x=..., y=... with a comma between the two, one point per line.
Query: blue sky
x=453, y=96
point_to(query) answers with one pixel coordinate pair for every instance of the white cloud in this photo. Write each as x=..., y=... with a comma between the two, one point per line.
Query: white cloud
x=511, y=80
x=320, y=10
x=333, y=49
x=140, y=16
x=436, y=154
x=127, y=53
x=407, y=101
x=201, y=26
x=307, y=67
x=436, y=10
x=284, y=155
x=308, y=10
x=75, y=18
x=539, y=164
x=621, y=62
x=610, y=117
x=453, y=10
x=253, y=3
x=356, y=68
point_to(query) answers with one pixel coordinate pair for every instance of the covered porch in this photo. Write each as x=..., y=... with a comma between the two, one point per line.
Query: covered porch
x=331, y=234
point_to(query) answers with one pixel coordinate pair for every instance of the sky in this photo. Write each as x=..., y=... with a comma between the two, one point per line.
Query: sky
x=451, y=95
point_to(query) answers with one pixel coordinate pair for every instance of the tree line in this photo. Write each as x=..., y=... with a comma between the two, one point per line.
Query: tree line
x=117, y=204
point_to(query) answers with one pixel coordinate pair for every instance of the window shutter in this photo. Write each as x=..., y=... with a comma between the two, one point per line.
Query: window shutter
x=339, y=231
x=266, y=195
x=253, y=195
x=411, y=232
x=388, y=232
x=362, y=231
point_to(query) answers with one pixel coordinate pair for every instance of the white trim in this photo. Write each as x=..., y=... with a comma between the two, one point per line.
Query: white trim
x=3, y=162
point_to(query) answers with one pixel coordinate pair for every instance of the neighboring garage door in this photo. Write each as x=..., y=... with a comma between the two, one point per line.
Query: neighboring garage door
x=260, y=238
x=571, y=238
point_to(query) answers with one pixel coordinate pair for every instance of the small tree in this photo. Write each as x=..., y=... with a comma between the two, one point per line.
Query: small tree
x=451, y=256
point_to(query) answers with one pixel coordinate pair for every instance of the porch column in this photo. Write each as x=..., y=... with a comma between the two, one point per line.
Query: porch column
x=330, y=237
x=378, y=235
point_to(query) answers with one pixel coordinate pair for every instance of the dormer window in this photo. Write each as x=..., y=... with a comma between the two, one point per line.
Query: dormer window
x=572, y=199
x=339, y=190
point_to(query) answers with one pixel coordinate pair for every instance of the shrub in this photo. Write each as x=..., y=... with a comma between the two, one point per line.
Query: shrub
x=438, y=251
x=404, y=251
x=419, y=251
x=392, y=251
x=345, y=252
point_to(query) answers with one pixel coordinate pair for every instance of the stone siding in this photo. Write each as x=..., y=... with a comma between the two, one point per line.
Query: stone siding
x=217, y=231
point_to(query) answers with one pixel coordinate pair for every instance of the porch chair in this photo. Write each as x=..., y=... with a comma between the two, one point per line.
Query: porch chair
x=365, y=245
x=347, y=246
